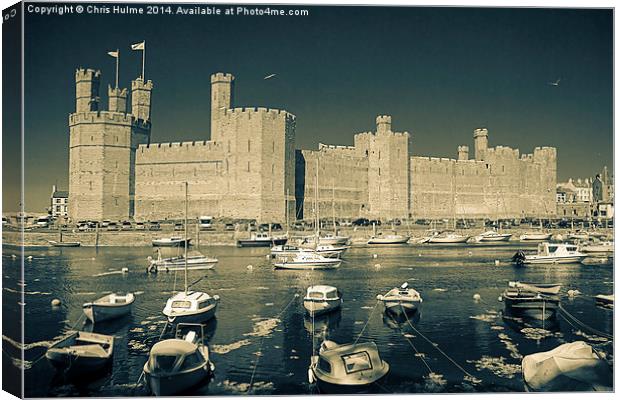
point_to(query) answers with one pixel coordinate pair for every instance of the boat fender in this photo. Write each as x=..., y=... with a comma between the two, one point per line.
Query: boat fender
x=296, y=295
x=56, y=302
x=125, y=270
x=500, y=298
x=379, y=297
x=216, y=297
x=496, y=262
x=375, y=256
x=311, y=379
x=211, y=367
x=377, y=265
x=250, y=267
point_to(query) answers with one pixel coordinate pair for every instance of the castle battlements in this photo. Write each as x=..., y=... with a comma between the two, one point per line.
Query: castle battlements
x=87, y=74
x=258, y=112
x=107, y=117
x=222, y=77
x=198, y=144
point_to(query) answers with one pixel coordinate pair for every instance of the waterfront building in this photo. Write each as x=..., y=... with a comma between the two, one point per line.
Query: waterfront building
x=250, y=168
x=59, y=203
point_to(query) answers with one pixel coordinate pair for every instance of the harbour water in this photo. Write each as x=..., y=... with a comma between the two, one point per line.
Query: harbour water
x=261, y=341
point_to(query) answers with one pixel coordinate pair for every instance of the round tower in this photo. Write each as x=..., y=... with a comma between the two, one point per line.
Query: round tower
x=481, y=142
x=384, y=124
x=87, y=90
x=222, y=90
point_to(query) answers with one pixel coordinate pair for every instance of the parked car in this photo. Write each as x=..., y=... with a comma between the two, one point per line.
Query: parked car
x=83, y=226
x=140, y=226
x=375, y=222
x=154, y=226
x=113, y=226
x=274, y=227
x=361, y=222
x=229, y=227
x=298, y=226
x=126, y=226
x=105, y=223
x=178, y=226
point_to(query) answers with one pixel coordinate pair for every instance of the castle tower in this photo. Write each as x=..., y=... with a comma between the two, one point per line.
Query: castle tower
x=86, y=90
x=384, y=124
x=102, y=146
x=481, y=142
x=222, y=90
x=117, y=99
x=141, y=99
x=463, y=153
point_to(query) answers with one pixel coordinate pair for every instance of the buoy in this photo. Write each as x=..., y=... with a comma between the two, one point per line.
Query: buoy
x=249, y=266
x=496, y=262
x=268, y=256
x=469, y=253
x=125, y=270
x=500, y=298
x=13, y=256
x=573, y=293
x=419, y=254
x=296, y=295
x=477, y=297
x=92, y=259
x=374, y=256
x=29, y=258
x=377, y=265
x=55, y=303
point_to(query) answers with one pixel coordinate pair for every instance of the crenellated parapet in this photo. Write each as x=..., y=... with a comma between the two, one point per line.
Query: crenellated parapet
x=107, y=117
x=257, y=112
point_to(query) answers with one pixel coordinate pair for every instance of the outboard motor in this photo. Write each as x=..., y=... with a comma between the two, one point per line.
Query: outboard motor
x=519, y=257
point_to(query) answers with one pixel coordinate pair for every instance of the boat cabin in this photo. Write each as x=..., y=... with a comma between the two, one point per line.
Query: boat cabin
x=322, y=292
x=548, y=249
x=190, y=301
x=357, y=364
x=170, y=356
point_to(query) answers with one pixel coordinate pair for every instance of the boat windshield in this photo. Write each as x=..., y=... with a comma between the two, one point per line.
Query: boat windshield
x=332, y=295
x=324, y=365
x=181, y=304
x=191, y=361
x=357, y=362
x=163, y=363
x=315, y=295
x=552, y=249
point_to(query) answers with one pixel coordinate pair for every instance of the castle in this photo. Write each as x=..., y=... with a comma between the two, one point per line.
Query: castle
x=250, y=168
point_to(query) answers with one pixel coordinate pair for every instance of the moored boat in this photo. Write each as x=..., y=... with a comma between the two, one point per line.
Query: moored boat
x=171, y=242
x=321, y=299
x=349, y=367
x=177, y=365
x=544, y=288
x=261, y=239
x=381, y=239
x=334, y=240
x=401, y=300
x=448, y=237
x=307, y=260
x=109, y=307
x=597, y=247
x=493, y=236
x=195, y=261
x=530, y=304
x=572, y=366
x=191, y=307
x=535, y=236
x=550, y=253
x=81, y=353
x=605, y=299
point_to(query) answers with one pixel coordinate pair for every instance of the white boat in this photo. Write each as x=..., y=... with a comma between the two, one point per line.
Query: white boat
x=597, y=247
x=262, y=239
x=535, y=236
x=109, y=307
x=550, y=253
x=579, y=235
x=334, y=240
x=326, y=250
x=522, y=302
x=544, y=288
x=81, y=353
x=348, y=367
x=284, y=250
x=493, y=236
x=321, y=299
x=177, y=365
x=171, y=242
x=402, y=300
x=448, y=237
x=307, y=260
x=388, y=239
x=569, y=367
x=195, y=261
x=605, y=299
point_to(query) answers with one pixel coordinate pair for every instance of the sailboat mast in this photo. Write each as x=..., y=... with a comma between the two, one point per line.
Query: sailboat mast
x=287, y=213
x=185, y=241
x=316, y=199
x=334, y=205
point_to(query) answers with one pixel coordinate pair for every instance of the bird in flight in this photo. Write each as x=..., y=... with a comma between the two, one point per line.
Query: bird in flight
x=556, y=83
x=269, y=76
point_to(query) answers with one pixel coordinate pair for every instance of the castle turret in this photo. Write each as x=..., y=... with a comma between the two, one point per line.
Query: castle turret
x=117, y=99
x=384, y=124
x=222, y=90
x=481, y=142
x=141, y=99
x=463, y=153
x=86, y=90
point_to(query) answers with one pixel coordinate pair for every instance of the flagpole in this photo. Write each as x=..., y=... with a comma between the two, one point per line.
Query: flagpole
x=118, y=55
x=143, y=57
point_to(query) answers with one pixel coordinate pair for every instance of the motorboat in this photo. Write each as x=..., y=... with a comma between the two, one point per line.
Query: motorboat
x=191, y=307
x=334, y=240
x=108, y=307
x=284, y=250
x=544, y=288
x=195, y=261
x=493, y=236
x=177, y=365
x=597, y=247
x=326, y=250
x=81, y=353
x=401, y=300
x=261, y=239
x=570, y=367
x=388, y=239
x=604, y=299
x=535, y=236
x=321, y=299
x=578, y=235
x=307, y=260
x=598, y=260
x=171, y=242
x=550, y=253
x=530, y=304
x=64, y=244
x=448, y=237
x=330, y=250
x=348, y=367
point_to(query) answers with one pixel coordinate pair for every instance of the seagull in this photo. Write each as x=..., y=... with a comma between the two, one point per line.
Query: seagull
x=556, y=83
x=269, y=76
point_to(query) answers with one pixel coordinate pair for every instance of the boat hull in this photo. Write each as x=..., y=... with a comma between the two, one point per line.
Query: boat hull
x=378, y=241
x=76, y=365
x=532, y=237
x=315, y=308
x=346, y=386
x=171, y=243
x=169, y=385
x=539, y=309
x=261, y=243
x=334, y=241
x=195, y=318
x=439, y=240
x=494, y=239
x=552, y=260
x=400, y=308
x=310, y=266
x=64, y=244
x=100, y=313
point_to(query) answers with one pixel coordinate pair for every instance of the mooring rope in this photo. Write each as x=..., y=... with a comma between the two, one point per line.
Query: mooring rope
x=260, y=347
x=366, y=324
x=566, y=315
x=417, y=352
x=438, y=349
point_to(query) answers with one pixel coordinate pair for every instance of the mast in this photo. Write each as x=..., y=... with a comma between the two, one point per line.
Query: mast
x=334, y=206
x=185, y=242
x=316, y=200
x=287, y=213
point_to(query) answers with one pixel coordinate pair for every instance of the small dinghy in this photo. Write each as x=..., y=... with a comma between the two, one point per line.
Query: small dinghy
x=64, y=244
x=321, y=299
x=544, y=288
x=402, y=300
x=81, y=353
x=109, y=307
x=191, y=307
x=606, y=300
x=177, y=365
x=349, y=367
x=448, y=237
x=527, y=301
x=569, y=367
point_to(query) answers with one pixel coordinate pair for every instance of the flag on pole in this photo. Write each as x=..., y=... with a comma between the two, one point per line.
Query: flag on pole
x=138, y=46
x=113, y=53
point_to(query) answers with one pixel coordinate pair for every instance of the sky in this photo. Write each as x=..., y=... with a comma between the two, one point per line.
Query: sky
x=439, y=72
